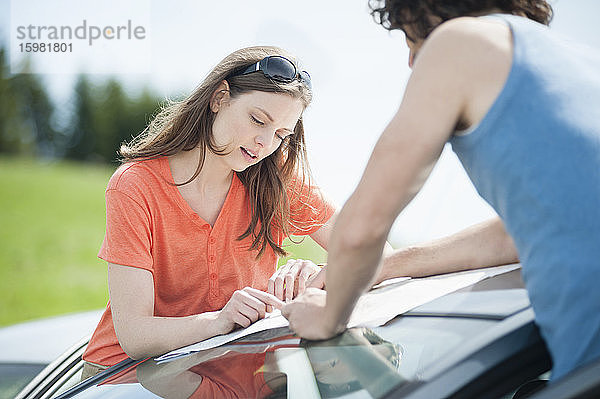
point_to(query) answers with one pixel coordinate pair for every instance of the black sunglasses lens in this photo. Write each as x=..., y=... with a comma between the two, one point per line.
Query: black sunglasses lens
x=279, y=68
x=305, y=77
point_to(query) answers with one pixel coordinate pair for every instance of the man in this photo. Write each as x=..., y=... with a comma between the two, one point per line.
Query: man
x=520, y=107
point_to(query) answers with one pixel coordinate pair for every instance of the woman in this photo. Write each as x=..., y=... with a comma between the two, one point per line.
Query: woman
x=197, y=214
x=520, y=106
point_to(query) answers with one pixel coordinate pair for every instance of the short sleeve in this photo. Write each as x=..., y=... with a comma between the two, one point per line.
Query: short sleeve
x=310, y=209
x=128, y=238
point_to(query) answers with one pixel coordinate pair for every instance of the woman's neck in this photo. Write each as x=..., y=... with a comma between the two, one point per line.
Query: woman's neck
x=213, y=174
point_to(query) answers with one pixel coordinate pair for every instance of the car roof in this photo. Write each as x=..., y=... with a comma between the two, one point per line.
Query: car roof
x=479, y=325
x=42, y=341
x=494, y=298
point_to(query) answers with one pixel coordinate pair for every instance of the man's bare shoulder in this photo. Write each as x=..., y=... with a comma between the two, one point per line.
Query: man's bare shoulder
x=471, y=58
x=468, y=43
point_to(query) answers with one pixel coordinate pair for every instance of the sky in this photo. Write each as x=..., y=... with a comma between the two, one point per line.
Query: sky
x=358, y=69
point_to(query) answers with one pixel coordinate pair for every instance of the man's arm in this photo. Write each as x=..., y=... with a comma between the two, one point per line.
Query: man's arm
x=482, y=245
x=434, y=102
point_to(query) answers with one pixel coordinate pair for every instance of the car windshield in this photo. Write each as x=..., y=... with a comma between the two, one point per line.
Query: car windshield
x=361, y=362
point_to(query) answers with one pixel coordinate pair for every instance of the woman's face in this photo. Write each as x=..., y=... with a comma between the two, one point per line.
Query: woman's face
x=252, y=125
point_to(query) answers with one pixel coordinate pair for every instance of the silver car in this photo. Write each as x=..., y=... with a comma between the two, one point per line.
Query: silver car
x=478, y=342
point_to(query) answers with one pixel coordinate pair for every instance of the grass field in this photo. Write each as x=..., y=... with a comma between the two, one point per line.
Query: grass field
x=51, y=227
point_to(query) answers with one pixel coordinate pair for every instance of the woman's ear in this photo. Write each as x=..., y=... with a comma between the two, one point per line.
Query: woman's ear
x=219, y=97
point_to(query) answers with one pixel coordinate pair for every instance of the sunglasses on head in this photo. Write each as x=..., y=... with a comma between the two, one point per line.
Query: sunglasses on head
x=278, y=68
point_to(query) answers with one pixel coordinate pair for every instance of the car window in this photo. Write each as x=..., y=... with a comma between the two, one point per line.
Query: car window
x=408, y=353
x=14, y=377
x=427, y=340
x=360, y=363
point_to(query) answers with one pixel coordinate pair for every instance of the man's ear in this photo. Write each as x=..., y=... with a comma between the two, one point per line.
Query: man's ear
x=220, y=97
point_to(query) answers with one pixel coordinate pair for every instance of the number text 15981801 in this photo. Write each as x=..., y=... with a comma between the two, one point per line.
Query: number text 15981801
x=46, y=47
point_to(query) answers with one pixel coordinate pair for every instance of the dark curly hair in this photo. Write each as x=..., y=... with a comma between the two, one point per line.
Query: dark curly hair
x=423, y=16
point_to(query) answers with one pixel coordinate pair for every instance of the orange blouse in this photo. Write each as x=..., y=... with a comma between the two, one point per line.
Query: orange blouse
x=196, y=267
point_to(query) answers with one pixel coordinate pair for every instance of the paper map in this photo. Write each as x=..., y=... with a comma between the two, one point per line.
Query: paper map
x=375, y=308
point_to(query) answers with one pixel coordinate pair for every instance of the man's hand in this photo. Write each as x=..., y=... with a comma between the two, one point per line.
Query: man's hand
x=291, y=279
x=307, y=316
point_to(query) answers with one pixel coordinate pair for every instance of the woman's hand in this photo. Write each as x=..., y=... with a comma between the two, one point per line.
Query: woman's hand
x=291, y=279
x=245, y=307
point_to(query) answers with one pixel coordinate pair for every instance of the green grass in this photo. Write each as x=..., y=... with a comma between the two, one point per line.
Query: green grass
x=52, y=218
x=51, y=228
x=303, y=248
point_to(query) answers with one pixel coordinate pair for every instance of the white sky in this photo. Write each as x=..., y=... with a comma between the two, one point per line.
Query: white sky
x=358, y=70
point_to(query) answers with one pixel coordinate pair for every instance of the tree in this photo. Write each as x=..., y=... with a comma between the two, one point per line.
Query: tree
x=82, y=132
x=26, y=113
x=106, y=116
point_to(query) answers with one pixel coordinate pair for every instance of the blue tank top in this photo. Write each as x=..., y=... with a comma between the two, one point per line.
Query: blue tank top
x=535, y=157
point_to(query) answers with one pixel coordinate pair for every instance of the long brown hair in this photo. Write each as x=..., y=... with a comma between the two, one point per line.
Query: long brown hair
x=187, y=124
x=423, y=16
